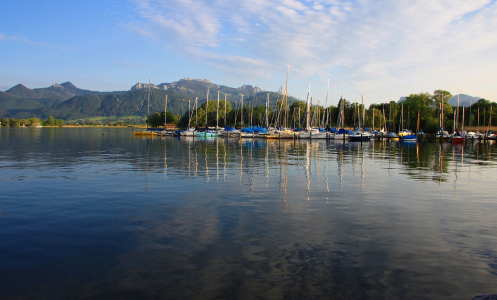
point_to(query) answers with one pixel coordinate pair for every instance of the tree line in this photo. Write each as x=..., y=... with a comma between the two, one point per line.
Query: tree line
x=12, y=122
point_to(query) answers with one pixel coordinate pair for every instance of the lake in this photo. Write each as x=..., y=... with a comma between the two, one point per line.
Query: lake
x=98, y=213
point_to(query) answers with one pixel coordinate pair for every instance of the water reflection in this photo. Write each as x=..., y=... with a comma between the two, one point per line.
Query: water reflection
x=417, y=160
x=218, y=218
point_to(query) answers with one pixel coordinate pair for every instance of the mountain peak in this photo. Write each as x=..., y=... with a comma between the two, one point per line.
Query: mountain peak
x=20, y=85
x=22, y=91
x=139, y=85
x=464, y=100
x=68, y=85
x=249, y=88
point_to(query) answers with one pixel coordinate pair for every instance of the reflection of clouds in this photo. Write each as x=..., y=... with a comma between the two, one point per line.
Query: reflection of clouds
x=351, y=252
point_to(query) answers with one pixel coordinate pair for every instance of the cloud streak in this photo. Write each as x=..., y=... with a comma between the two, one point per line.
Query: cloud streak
x=4, y=37
x=402, y=46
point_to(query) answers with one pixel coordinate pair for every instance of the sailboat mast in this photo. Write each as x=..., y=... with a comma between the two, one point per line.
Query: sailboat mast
x=252, y=106
x=443, y=113
x=373, y=118
x=454, y=129
x=457, y=120
x=308, y=109
x=217, y=111
x=267, y=111
x=300, y=121
x=470, y=111
x=419, y=121
x=359, y=117
x=196, y=112
x=165, y=113
x=148, y=101
x=462, y=128
x=363, y=112
x=326, y=111
x=286, y=96
x=385, y=119
x=206, y=108
x=225, y=110
x=490, y=122
x=241, y=111
x=402, y=118
x=317, y=112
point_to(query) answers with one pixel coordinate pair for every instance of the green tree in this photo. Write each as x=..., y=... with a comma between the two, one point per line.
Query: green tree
x=486, y=108
x=33, y=122
x=171, y=118
x=50, y=121
x=437, y=99
x=14, y=122
x=5, y=122
x=59, y=122
x=155, y=120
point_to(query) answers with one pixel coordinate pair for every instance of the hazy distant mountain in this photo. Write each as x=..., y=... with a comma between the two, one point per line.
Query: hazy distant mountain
x=464, y=100
x=198, y=88
x=66, y=101
x=53, y=94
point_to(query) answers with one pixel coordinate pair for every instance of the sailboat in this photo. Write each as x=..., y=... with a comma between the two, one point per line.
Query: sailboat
x=165, y=131
x=228, y=131
x=457, y=137
x=190, y=131
x=419, y=131
x=406, y=134
x=311, y=133
x=489, y=135
x=207, y=132
x=358, y=134
x=283, y=133
x=441, y=133
x=147, y=132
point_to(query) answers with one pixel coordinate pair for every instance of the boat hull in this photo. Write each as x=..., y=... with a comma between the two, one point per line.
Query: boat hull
x=145, y=133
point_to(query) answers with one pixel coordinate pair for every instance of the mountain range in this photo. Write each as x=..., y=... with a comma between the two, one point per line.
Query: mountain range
x=66, y=101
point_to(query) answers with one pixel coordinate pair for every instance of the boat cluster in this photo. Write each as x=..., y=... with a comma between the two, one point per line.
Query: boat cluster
x=357, y=134
x=462, y=136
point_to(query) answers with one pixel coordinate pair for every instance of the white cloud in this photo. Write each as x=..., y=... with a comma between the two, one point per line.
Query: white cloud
x=386, y=49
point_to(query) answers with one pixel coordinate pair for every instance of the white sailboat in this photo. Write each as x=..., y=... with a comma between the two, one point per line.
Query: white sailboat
x=360, y=134
x=311, y=133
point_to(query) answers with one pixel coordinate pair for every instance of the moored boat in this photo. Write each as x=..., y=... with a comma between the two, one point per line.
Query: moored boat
x=359, y=135
x=442, y=134
x=458, y=137
x=406, y=134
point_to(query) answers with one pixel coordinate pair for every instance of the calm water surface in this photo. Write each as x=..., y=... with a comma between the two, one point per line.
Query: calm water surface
x=91, y=215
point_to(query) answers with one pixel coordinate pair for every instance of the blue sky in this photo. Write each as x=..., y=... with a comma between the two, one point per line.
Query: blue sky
x=383, y=49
